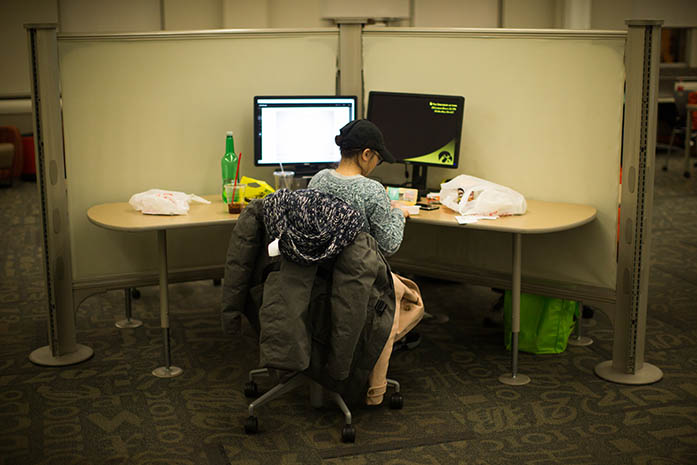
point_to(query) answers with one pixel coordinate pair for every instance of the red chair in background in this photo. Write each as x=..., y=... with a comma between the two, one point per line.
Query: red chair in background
x=29, y=165
x=11, y=151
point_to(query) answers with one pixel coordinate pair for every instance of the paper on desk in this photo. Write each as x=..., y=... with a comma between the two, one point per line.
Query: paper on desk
x=467, y=219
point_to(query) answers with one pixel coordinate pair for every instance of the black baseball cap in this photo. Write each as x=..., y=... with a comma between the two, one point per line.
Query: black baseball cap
x=363, y=134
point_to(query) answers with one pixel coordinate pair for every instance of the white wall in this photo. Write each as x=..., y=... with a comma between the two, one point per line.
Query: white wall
x=674, y=13
x=243, y=14
x=296, y=13
x=14, y=77
x=144, y=15
x=456, y=13
x=535, y=14
x=109, y=16
x=612, y=14
x=256, y=14
x=178, y=15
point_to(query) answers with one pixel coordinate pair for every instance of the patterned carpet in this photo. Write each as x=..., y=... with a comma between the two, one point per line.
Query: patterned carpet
x=111, y=410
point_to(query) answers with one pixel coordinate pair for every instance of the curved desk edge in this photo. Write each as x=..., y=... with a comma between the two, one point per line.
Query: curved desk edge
x=120, y=216
x=541, y=217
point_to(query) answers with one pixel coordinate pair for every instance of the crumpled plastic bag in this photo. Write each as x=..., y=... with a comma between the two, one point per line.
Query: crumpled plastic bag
x=468, y=195
x=161, y=202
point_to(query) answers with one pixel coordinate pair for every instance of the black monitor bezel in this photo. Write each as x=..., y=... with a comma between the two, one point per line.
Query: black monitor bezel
x=458, y=140
x=299, y=168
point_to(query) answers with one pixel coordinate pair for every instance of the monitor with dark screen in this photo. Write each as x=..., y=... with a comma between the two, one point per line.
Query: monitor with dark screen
x=419, y=129
x=299, y=131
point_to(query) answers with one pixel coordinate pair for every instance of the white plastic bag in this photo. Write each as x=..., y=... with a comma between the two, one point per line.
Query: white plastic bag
x=468, y=195
x=160, y=202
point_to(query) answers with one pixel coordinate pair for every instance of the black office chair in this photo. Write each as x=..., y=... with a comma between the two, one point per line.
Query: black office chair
x=679, y=126
x=288, y=381
x=297, y=341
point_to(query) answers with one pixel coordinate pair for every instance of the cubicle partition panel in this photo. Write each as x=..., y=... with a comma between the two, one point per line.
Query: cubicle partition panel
x=543, y=115
x=146, y=111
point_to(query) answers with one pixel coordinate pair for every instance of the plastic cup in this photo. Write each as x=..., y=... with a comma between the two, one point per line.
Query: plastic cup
x=235, y=197
x=283, y=179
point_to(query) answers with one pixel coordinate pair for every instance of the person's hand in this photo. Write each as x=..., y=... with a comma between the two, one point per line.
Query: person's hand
x=403, y=209
x=401, y=206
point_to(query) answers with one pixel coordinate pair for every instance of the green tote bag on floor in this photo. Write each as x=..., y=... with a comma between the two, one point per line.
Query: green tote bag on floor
x=545, y=323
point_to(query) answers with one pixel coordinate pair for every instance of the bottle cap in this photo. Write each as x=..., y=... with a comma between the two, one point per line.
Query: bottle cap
x=229, y=133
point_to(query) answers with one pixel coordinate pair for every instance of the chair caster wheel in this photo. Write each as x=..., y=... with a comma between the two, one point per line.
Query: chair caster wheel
x=251, y=426
x=396, y=401
x=665, y=168
x=686, y=174
x=348, y=433
x=135, y=293
x=251, y=389
x=216, y=282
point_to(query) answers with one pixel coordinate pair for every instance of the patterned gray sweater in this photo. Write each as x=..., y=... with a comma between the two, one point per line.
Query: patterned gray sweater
x=384, y=223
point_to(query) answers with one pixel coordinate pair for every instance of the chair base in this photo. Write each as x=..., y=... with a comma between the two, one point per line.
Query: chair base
x=317, y=397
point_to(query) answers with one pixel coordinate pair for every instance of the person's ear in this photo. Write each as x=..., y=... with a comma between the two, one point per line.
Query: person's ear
x=365, y=154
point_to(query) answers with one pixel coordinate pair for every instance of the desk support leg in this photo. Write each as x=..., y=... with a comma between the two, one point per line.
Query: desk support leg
x=580, y=339
x=514, y=378
x=166, y=371
x=128, y=322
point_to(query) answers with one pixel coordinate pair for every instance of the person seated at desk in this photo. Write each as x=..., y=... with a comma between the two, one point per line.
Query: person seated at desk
x=362, y=149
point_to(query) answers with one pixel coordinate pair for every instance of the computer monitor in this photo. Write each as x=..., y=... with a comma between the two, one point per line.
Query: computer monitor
x=299, y=131
x=419, y=129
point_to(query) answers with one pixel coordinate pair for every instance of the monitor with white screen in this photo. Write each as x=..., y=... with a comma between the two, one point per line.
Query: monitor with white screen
x=298, y=131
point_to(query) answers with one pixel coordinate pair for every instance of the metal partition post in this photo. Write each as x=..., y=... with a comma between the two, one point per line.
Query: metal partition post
x=350, y=78
x=62, y=348
x=639, y=141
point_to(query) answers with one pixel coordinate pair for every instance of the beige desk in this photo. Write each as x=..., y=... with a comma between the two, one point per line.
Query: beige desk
x=122, y=217
x=540, y=218
x=688, y=134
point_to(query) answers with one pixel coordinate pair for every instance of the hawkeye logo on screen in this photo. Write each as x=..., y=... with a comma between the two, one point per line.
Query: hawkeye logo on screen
x=443, y=156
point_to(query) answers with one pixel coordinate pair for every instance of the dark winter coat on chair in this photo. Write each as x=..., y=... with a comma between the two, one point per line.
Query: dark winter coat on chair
x=329, y=320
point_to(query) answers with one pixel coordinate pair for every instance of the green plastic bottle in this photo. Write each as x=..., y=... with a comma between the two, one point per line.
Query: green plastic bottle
x=229, y=163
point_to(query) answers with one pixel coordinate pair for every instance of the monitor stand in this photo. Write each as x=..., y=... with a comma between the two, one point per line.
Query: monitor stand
x=302, y=177
x=306, y=171
x=419, y=173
